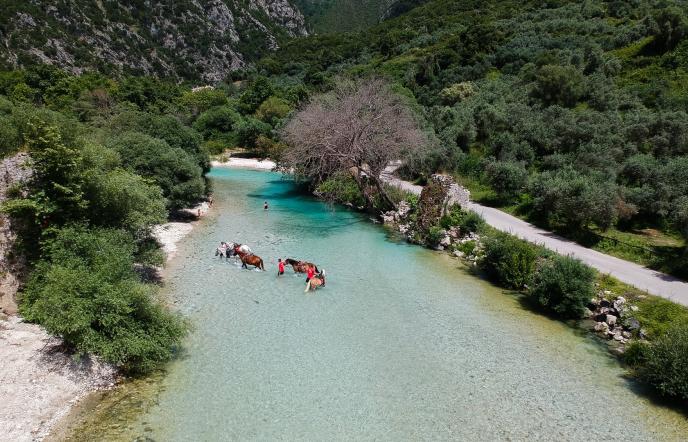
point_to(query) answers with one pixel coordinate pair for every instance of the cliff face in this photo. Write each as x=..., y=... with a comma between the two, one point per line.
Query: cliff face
x=193, y=39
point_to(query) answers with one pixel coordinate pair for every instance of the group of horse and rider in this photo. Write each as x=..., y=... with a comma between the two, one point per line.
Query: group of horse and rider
x=314, y=277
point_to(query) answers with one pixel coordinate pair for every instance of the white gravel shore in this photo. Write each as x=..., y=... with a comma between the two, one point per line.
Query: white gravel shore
x=246, y=163
x=39, y=383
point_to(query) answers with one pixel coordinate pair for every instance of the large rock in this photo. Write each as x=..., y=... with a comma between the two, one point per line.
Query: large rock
x=437, y=198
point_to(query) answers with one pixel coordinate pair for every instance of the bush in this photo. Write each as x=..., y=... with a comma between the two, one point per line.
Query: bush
x=563, y=285
x=86, y=291
x=507, y=178
x=435, y=234
x=341, y=188
x=509, y=260
x=466, y=221
x=174, y=170
x=663, y=363
x=122, y=199
x=249, y=130
x=217, y=123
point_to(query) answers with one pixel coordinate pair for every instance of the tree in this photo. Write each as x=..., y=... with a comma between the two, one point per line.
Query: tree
x=671, y=26
x=256, y=93
x=562, y=85
x=358, y=128
x=248, y=131
x=563, y=285
x=86, y=291
x=507, y=178
x=273, y=110
x=174, y=170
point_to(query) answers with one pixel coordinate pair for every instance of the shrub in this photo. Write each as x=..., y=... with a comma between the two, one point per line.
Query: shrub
x=509, y=260
x=507, y=178
x=85, y=290
x=217, y=123
x=466, y=221
x=174, y=170
x=273, y=110
x=341, y=188
x=248, y=131
x=663, y=363
x=563, y=285
x=435, y=234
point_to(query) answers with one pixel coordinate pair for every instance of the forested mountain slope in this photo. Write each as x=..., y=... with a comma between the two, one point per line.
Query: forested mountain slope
x=194, y=39
x=327, y=16
x=573, y=111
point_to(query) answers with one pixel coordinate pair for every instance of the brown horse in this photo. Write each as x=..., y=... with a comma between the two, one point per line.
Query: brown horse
x=249, y=259
x=300, y=266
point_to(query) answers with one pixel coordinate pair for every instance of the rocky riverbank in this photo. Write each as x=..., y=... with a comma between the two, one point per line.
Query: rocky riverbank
x=612, y=317
x=40, y=382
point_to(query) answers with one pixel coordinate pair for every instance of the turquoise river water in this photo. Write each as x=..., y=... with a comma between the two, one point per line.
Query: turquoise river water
x=402, y=344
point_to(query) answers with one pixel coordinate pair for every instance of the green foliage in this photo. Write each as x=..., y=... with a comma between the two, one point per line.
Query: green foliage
x=217, y=122
x=341, y=188
x=85, y=290
x=509, y=261
x=563, y=285
x=258, y=91
x=562, y=85
x=435, y=234
x=9, y=137
x=273, y=110
x=663, y=363
x=671, y=26
x=122, y=199
x=507, y=178
x=57, y=176
x=203, y=99
x=466, y=221
x=174, y=170
x=568, y=199
x=249, y=130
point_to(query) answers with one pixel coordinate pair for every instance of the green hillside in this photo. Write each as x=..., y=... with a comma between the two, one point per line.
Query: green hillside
x=329, y=16
x=572, y=114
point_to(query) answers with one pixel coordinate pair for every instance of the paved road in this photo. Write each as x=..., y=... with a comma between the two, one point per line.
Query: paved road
x=652, y=281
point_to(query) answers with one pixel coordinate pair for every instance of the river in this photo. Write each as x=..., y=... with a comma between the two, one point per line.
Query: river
x=402, y=344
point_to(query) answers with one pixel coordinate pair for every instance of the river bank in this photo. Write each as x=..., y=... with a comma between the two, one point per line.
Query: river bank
x=39, y=382
x=378, y=354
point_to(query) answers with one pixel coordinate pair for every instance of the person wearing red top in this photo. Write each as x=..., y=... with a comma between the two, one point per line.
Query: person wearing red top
x=280, y=267
x=310, y=272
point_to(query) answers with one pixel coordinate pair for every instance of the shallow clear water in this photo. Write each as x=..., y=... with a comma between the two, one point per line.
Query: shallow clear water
x=401, y=344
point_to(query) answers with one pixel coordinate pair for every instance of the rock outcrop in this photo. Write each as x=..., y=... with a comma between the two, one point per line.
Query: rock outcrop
x=13, y=172
x=195, y=39
x=437, y=198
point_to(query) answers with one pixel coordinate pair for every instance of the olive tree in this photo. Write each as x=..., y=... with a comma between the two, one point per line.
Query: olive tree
x=359, y=128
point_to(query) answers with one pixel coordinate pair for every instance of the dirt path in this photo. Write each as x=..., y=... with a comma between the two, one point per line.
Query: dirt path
x=652, y=281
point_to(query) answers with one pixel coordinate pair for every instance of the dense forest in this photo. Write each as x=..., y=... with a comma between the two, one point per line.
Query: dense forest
x=571, y=114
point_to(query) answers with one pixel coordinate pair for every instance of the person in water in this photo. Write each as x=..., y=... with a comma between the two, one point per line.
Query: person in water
x=310, y=273
x=265, y=205
x=280, y=267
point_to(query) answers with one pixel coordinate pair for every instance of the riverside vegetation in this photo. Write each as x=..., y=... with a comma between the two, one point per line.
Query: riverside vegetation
x=573, y=113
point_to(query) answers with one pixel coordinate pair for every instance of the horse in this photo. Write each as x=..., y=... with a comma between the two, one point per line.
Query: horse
x=236, y=249
x=300, y=266
x=315, y=282
x=251, y=260
x=224, y=250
